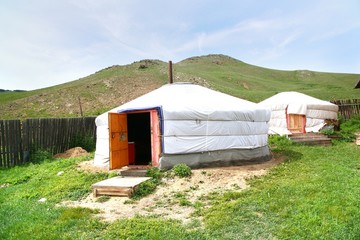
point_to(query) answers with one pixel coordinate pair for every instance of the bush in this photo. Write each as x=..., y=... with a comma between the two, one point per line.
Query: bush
x=279, y=143
x=328, y=131
x=40, y=155
x=113, y=174
x=349, y=127
x=149, y=186
x=154, y=173
x=181, y=170
x=86, y=141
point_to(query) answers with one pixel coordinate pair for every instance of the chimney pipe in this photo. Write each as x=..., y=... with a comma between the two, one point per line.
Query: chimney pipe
x=170, y=73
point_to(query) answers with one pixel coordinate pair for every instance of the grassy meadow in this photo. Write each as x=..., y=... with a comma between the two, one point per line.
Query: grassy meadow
x=314, y=194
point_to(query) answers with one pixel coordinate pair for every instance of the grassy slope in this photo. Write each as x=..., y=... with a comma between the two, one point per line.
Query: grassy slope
x=255, y=83
x=116, y=85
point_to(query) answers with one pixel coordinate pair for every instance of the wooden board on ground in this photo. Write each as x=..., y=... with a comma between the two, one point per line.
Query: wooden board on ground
x=117, y=186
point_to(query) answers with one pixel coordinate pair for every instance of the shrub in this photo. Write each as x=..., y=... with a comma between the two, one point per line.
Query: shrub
x=113, y=174
x=328, y=131
x=279, y=143
x=182, y=170
x=102, y=199
x=86, y=141
x=149, y=186
x=349, y=127
x=145, y=188
x=40, y=155
x=154, y=173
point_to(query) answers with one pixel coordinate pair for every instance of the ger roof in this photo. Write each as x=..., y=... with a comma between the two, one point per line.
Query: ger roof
x=184, y=98
x=283, y=99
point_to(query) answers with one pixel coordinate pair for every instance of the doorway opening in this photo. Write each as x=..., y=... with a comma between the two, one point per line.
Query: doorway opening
x=139, y=137
x=135, y=138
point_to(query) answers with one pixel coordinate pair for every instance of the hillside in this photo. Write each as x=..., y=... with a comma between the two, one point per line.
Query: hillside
x=116, y=85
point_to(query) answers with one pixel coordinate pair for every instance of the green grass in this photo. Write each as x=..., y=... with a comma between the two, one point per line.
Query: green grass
x=314, y=194
x=151, y=228
x=22, y=216
x=254, y=83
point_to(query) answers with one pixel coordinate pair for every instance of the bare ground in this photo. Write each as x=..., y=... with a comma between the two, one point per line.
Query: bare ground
x=175, y=197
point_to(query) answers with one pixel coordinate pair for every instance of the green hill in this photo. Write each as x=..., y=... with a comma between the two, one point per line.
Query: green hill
x=116, y=85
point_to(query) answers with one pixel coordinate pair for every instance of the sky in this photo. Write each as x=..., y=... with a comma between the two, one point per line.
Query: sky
x=49, y=42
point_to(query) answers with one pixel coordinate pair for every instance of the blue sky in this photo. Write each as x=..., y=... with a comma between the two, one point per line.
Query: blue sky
x=44, y=43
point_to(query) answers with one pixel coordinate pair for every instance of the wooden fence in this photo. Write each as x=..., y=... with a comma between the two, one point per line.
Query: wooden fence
x=19, y=138
x=348, y=107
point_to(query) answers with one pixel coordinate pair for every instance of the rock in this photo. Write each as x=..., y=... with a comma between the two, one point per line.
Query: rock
x=4, y=185
x=42, y=200
x=60, y=173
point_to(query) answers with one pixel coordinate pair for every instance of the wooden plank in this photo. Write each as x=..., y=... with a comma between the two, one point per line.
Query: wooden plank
x=42, y=130
x=51, y=134
x=62, y=135
x=120, y=193
x=37, y=133
x=16, y=134
x=33, y=135
x=8, y=143
x=121, y=182
x=41, y=133
x=11, y=142
x=62, y=130
x=25, y=141
x=17, y=142
x=56, y=131
x=3, y=159
x=71, y=133
x=117, y=186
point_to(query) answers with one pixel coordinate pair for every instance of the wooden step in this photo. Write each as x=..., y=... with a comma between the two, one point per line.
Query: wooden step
x=133, y=173
x=117, y=186
x=311, y=139
x=315, y=142
x=307, y=135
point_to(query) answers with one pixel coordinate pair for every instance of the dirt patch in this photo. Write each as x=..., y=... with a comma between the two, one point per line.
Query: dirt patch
x=175, y=197
x=73, y=152
x=88, y=166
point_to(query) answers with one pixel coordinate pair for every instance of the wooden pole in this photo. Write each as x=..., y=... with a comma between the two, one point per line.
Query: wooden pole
x=171, y=80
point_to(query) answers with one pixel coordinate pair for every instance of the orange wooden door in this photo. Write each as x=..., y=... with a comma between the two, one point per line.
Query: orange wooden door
x=118, y=140
x=296, y=123
x=155, y=138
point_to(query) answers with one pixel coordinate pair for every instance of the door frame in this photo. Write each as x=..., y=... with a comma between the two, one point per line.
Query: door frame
x=300, y=121
x=117, y=159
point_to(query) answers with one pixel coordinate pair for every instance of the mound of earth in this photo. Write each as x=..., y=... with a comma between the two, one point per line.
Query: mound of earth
x=73, y=152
